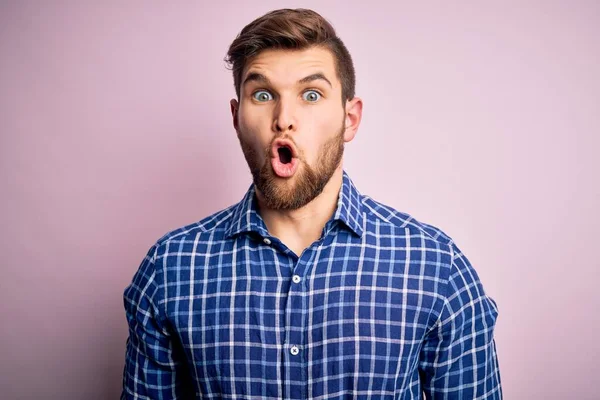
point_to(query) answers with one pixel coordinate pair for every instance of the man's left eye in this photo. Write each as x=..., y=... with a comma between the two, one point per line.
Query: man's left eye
x=311, y=96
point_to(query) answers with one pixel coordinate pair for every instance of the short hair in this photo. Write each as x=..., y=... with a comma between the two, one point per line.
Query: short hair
x=296, y=29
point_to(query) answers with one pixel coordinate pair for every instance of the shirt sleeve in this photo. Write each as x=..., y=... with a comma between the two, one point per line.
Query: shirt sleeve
x=154, y=368
x=458, y=358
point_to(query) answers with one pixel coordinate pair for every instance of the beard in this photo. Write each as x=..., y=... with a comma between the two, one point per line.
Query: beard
x=307, y=183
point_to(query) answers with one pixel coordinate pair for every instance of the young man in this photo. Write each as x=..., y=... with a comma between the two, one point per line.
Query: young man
x=306, y=289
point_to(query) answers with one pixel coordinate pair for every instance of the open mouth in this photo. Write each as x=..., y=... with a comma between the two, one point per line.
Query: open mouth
x=285, y=154
x=284, y=159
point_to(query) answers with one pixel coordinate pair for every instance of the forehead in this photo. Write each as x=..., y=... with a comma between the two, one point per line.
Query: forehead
x=288, y=66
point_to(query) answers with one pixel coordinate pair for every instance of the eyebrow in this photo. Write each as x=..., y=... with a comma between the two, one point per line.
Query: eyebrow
x=258, y=77
x=315, y=77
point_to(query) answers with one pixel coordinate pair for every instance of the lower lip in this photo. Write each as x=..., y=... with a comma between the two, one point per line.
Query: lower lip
x=284, y=170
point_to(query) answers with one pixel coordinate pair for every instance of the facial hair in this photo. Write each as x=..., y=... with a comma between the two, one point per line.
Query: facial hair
x=308, y=182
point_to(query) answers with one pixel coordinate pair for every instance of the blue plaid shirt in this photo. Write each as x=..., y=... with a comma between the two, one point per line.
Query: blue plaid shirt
x=382, y=306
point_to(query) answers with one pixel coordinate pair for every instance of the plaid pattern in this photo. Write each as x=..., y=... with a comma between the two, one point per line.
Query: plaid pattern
x=381, y=307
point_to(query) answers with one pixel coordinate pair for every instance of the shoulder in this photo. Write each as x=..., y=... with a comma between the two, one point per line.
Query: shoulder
x=385, y=214
x=214, y=223
x=460, y=281
x=148, y=281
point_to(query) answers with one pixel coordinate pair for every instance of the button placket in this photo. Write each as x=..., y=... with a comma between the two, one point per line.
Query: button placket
x=297, y=319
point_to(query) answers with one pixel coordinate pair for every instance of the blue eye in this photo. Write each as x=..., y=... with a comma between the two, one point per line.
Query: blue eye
x=262, y=95
x=311, y=96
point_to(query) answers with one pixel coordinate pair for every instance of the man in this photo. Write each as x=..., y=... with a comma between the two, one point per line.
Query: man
x=306, y=289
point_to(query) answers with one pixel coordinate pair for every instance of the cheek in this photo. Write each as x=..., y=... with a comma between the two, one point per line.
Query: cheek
x=253, y=130
x=320, y=132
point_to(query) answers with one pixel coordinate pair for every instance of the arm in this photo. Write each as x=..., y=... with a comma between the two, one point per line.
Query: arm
x=153, y=367
x=458, y=359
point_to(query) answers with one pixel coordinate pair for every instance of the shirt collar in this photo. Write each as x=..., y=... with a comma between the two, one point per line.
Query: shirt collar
x=245, y=216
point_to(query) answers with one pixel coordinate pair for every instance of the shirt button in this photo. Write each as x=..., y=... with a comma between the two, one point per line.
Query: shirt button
x=294, y=350
x=296, y=279
x=267, y=241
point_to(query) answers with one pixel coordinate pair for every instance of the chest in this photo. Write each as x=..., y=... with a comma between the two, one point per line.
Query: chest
x=265, y=296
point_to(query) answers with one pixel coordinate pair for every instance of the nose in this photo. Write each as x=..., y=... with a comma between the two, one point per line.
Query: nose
x=283, y=118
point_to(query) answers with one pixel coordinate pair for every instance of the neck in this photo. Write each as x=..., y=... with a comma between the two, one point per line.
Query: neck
x=301, y=227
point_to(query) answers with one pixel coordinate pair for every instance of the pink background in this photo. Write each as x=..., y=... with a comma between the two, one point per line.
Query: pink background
x=115, y=128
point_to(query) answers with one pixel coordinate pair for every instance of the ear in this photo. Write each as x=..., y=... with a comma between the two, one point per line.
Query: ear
x=234, y=113
x=353, y=117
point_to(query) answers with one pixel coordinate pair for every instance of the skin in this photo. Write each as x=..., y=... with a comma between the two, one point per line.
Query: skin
x=277, y=102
